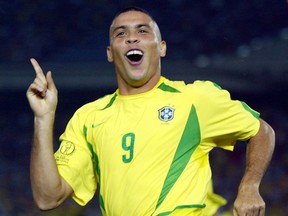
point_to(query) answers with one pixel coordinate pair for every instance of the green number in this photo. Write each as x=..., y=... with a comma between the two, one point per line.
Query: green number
x=128, y=146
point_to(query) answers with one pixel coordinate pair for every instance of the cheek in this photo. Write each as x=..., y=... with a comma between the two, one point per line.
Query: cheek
x=116, y=53
x=118, y=57
x=155, y=51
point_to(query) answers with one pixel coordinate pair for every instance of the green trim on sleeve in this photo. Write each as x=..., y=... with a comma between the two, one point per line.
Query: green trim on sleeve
x=217, y=86
x=246, y=107
x=253, y=112
x=96, y=164
x=94, y=155
x=188, y=143
x=101, y=202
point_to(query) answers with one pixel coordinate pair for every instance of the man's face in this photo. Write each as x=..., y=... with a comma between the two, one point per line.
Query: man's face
x=135, y=48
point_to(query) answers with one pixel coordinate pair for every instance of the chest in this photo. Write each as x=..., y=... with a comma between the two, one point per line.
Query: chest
x=137, y=130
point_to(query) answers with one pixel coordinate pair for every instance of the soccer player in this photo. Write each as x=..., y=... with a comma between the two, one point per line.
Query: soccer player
x=146, y=144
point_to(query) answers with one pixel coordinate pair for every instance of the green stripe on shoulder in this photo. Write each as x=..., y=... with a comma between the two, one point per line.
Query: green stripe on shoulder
x=188, y=143
x=253, y=112
x=167, y=88
x=217, y=86
x=110, y=102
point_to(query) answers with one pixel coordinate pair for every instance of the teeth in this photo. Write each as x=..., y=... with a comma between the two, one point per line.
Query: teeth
x=134, y=52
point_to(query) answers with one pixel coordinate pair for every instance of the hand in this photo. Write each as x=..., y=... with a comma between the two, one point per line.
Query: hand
x=249, y=203
x=42, y=93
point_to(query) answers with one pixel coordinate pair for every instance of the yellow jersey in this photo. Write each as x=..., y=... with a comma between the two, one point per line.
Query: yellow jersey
x=149, y=152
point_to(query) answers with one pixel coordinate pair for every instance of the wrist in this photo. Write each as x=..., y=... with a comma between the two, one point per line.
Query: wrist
x=44, y=120
x=248, y=185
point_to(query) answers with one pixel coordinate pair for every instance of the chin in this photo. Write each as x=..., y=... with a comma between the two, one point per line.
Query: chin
x=137, y=80
x=137, y=75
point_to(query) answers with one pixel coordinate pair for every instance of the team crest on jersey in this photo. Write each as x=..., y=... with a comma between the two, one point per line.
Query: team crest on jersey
x=166, y=113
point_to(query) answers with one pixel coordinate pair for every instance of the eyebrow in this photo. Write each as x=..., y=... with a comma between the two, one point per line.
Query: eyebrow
x=126, y=26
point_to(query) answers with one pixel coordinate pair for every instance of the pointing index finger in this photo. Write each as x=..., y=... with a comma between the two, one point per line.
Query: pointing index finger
x=37, y=68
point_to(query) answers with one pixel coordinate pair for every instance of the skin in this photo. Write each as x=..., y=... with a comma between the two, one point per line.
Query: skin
x=48, y=187
x=129, y=31
x=258, y=156
x=135, y=30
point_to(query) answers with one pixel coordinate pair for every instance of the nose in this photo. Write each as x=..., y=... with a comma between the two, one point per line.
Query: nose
x=132, y=38
x=132, y=41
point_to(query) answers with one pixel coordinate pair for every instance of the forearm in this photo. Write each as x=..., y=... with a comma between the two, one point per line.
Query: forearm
x=259, y=153
x=47, y=184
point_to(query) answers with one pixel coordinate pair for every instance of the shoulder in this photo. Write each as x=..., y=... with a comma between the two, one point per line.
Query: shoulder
x=98, y=104
x=204, y=87
x=209, y=90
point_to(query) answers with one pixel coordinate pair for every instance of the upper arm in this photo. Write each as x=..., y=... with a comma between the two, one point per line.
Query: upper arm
x=265, y=135
x=260, y=149
x=223, y=120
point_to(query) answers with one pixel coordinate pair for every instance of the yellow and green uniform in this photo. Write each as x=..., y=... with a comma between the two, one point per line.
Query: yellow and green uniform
x=213, y=201
x=149, y=152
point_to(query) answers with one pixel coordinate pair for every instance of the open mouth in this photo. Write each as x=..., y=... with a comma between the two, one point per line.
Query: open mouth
x=134, y=56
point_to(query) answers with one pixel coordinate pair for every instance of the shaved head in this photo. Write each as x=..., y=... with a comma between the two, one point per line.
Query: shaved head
x=141, y=10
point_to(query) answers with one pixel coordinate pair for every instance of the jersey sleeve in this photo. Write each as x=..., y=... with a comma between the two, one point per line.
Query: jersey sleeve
x=223, y=121
x=74, y=161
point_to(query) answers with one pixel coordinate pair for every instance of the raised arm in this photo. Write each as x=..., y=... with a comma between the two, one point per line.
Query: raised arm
x=48, y=187
x=259, y=153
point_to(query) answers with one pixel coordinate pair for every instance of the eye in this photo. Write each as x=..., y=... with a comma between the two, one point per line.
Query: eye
x=142, y=31
x=120, y=34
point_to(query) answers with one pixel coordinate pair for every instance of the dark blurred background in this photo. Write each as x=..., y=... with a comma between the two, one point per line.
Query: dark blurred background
x=242, y=45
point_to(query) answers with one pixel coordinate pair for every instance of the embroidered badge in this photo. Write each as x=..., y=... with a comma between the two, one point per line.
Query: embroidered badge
x=67, y=148
x=166, y=113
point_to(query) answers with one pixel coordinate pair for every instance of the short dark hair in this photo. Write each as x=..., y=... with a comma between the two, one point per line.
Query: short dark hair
x=133, y=8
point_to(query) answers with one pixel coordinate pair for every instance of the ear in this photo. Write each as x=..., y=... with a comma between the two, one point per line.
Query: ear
x=163, y=48
x=109, y=54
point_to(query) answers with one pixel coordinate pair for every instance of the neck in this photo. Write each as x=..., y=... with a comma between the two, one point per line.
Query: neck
x=128, y=89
